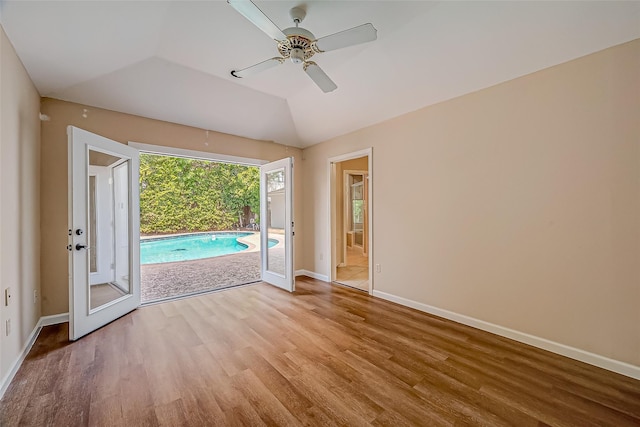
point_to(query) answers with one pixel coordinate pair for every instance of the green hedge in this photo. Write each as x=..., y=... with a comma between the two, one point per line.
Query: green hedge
x=185, y=195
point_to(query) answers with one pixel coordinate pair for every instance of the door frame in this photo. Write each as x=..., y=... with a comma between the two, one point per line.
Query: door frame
x=194, y=154
x=331, y=217
x=164, y=150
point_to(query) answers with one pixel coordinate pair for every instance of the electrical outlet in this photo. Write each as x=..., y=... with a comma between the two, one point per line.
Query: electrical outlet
x=7, y=296
x=378, y=268
x=35, y=296
x=7, y=327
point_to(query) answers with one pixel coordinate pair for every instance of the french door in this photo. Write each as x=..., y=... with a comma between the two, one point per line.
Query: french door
x=104, y=231
x=276, y=223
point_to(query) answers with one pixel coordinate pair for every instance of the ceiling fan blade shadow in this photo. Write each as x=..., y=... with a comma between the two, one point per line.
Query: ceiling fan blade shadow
x=257, y=68
x=360, y=34
x=319, y=77
x=250, y=11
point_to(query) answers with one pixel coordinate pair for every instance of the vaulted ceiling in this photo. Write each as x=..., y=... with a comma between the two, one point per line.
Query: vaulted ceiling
x=171, y=60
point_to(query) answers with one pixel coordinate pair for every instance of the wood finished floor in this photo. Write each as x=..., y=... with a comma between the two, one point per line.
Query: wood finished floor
x=325, y=355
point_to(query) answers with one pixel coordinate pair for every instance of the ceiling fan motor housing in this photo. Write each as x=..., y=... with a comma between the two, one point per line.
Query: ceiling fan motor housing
x=299, y=45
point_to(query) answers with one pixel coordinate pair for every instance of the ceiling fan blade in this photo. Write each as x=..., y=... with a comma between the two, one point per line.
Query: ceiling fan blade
x=250, y=11
x=255, y=69
x=319, y=77
x=356, y=35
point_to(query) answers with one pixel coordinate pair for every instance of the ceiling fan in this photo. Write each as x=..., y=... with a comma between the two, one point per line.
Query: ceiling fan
x=299, y=44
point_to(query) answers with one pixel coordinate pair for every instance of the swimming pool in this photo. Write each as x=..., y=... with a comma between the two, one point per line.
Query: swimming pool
x=192, y=246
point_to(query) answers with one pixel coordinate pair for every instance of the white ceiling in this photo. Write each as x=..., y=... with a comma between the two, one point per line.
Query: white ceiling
x=170, y=60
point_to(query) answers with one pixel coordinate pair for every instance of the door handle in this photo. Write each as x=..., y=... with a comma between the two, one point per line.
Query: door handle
x=79, y=246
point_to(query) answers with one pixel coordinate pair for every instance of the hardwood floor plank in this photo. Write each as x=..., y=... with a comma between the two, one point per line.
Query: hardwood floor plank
x=327, y=402
x=244, y=415
x=393, y=394
x=289, y=396
x=358, y=401
x=324, y=355
x=463, y=412
x=106, y=412
x=391, y=418
x=38, y=410
x=446, y=381
x=267, y=406
x=172, y=414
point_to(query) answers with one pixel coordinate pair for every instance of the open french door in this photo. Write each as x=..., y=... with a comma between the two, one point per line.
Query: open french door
x=104, y=231
x=276, y=223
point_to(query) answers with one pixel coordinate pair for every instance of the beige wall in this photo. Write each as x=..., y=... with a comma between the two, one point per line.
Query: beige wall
x=359, y=164
x=20, y=203
x=529, y=201
x=123, y=128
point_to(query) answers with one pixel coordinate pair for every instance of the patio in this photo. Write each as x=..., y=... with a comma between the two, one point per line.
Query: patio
x=174, y=279
x=171, y=279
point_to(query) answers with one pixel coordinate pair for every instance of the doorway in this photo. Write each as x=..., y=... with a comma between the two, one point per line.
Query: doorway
x=350, y=220
x=199, y=225
x=228, y=222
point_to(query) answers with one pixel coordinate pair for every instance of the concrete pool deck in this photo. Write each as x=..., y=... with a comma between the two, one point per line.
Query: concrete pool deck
x=173, y=279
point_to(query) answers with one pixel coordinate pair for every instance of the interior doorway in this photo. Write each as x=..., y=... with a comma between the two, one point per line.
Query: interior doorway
x=350, y=220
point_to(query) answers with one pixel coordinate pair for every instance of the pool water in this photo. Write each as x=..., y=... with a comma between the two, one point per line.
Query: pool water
x=191, y=246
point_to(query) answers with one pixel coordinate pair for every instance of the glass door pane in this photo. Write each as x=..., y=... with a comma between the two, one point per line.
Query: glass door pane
x=108, y=231
x=276, y=221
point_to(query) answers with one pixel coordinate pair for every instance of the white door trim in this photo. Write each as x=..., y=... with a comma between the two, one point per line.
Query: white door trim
x=182, y=152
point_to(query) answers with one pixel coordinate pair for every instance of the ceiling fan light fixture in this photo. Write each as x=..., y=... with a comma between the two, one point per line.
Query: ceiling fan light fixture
x=297, y=43
x=297, y=55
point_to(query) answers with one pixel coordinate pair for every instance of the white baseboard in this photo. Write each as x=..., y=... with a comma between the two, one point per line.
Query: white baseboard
x=564, y=350
x=312, y=274
x=54, y=319
x=44, y=321
x=16, y=365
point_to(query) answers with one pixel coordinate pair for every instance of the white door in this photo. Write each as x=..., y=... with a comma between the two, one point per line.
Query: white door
x=104, y=231
x=276, y=223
